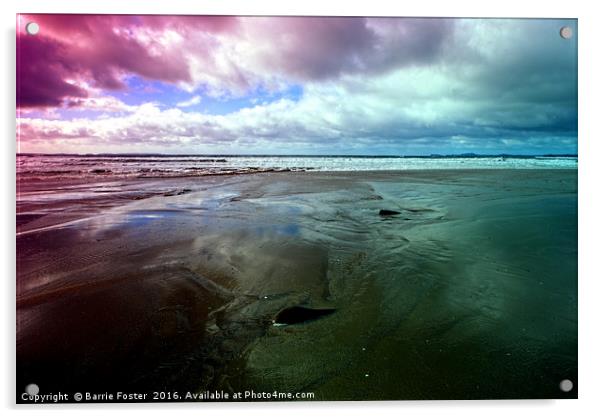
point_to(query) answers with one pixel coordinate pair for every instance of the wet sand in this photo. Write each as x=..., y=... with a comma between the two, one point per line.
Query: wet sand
x=470, y=292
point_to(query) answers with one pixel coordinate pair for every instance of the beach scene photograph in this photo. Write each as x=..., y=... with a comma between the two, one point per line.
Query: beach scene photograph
x=295, y=208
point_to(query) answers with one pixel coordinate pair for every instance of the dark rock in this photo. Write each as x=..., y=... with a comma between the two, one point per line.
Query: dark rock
x=387, y=212
x=300, y=314
x=176, y=192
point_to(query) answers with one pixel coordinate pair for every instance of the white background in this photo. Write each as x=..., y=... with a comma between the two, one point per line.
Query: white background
x=590, y=210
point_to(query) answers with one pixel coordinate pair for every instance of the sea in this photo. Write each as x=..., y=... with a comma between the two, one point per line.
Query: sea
x=64, y=166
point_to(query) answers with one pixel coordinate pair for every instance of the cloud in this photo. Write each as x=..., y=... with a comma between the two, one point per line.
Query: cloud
x=42, y=74
x=273, y=52
x=194, y=100
x=220, y=55
x=404, y=112
x=321, y=48
x=101, y=50
x=99, y=104
x=372, y=85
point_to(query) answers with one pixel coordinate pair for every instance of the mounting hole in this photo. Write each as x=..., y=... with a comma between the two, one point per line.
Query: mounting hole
x=32, y=389
x=566, y=32
x=566, y=385
x=32, y=28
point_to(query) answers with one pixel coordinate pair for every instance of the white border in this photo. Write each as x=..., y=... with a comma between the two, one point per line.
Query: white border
x=590, y=207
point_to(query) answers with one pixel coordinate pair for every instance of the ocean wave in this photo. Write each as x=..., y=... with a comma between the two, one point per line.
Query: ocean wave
x=28, y=166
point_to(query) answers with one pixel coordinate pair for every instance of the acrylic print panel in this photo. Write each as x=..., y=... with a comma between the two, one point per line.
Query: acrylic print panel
x=295, y=208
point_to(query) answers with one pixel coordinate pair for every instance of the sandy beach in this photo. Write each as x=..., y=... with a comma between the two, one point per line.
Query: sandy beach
x=468, y=291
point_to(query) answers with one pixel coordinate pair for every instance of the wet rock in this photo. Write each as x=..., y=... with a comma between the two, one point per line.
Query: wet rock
x=387, y=212
x=100, y=171
x=301, y=314
x=177, y=192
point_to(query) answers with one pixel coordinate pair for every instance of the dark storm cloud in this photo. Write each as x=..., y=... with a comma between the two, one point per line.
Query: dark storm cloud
x=41, y=74
x=98, y=50
x=327, y=47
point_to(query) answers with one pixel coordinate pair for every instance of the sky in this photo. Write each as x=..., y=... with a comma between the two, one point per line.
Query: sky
x=295, y=85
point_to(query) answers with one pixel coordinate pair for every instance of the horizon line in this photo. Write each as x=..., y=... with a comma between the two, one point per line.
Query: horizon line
x=466, y=154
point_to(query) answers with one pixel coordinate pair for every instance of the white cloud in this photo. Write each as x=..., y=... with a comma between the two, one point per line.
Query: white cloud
x=194, y=100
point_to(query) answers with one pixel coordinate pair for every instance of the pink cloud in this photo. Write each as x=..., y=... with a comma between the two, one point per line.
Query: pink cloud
x=41, y=73
x=100, y=50
x=220, y=54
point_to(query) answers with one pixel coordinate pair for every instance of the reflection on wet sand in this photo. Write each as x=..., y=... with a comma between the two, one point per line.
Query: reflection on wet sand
x=297, y=282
